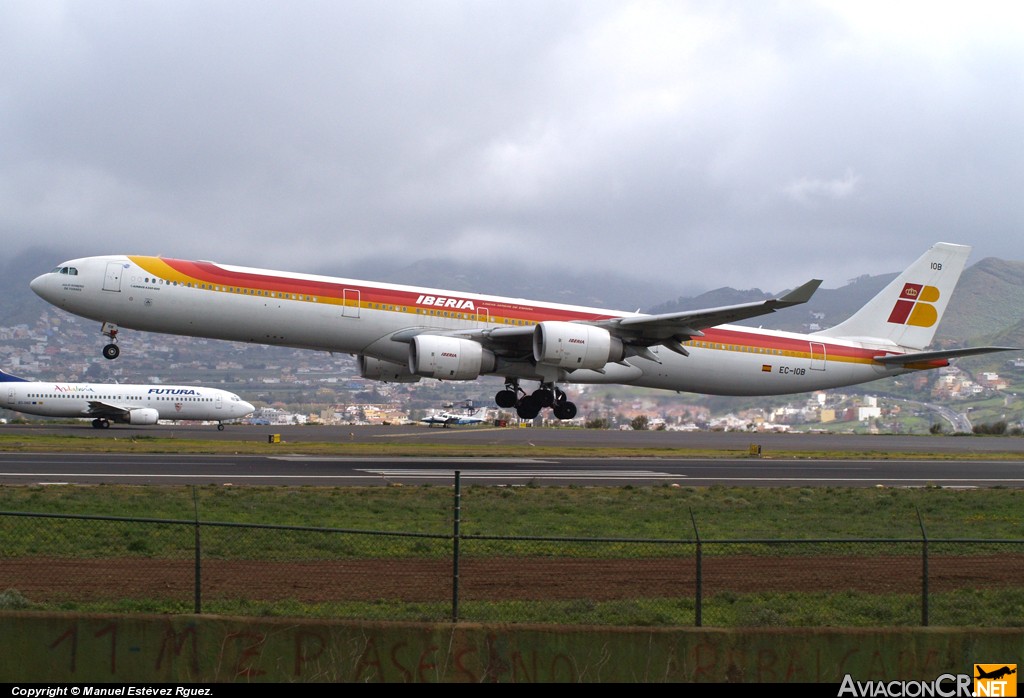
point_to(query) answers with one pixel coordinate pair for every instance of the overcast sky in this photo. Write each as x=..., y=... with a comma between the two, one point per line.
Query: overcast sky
x=697, y=144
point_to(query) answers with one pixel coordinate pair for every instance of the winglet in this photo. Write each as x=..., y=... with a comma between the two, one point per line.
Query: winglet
x=801, y=294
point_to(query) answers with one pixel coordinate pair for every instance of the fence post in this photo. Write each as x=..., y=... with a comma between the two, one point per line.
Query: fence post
x=197, y=601
x=699, y=576
x=924, y=570
x=455, y=547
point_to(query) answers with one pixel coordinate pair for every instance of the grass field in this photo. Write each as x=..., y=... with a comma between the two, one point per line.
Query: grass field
x=660, y=512
x=655, y=511
x=630, y=512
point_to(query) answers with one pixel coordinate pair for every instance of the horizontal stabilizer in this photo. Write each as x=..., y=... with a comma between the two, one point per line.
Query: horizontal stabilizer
x=917, y=356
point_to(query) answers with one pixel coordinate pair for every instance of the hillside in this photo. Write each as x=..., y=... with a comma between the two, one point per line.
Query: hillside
x=988, y=303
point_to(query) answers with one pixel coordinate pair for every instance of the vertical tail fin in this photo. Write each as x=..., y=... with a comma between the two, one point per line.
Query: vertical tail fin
x=908, y=310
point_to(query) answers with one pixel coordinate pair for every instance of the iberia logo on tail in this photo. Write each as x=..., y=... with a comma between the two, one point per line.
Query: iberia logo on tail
x=914, y=306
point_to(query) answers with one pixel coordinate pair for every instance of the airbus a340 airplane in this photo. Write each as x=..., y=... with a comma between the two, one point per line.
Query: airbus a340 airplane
x=113, y=402
x=404, y=333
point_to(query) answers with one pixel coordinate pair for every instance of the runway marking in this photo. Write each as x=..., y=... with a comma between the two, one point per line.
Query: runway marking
x=432, y=431
x=411, y=459
x=575, y=474
x=229, y=478
x=375, y=473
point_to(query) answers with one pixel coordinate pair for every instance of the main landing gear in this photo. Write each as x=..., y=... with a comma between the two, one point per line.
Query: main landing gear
x=111, y=351
x=101, y=423
x=528, y=406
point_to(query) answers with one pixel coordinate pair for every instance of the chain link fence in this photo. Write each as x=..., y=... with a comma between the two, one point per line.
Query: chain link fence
x=131, y=565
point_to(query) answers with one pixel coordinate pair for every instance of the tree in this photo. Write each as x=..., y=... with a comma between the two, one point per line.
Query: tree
x=639, y=423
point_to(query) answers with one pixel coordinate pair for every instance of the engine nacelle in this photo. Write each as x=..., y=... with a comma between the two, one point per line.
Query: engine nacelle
x=570, y=345
x=386, y=371
x=144, y=416
x=449, y=358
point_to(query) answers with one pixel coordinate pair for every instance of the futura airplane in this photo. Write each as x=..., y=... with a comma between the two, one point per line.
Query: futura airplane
x=121, y=402
x=405, y=333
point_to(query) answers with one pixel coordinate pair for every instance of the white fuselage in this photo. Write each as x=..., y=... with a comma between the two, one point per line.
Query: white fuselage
x=242, y=304
x=92, y=400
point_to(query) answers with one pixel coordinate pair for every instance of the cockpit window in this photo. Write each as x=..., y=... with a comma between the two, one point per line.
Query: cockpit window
x=70, y=271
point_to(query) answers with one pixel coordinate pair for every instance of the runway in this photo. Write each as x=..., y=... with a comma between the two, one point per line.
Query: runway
x=297, y=470
x=533, y=437
x=284, y=464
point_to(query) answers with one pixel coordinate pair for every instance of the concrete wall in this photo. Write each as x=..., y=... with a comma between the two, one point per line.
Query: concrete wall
x=205, y=649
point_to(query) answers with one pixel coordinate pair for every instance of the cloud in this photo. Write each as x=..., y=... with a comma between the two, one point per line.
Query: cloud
x=807, y=190
x=692, y=144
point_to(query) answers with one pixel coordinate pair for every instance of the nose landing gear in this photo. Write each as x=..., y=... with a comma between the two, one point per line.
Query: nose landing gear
x=110, y=351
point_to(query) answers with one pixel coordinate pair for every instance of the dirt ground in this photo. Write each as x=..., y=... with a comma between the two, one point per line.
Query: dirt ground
x=48, y=579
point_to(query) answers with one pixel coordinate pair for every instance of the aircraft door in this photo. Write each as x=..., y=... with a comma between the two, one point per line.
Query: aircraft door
x=112, y=277
x=350, y=302
x=218, y=402
x=817, y=356
x=10, y=396
x=483, y=315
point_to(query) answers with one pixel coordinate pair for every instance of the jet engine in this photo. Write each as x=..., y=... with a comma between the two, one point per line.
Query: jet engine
x=386, y=371
x=143, y=416
x=449, y=358
x=570, y=345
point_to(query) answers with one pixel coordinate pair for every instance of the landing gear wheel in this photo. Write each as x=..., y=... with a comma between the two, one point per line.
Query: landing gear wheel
x=544, y=397
x=505, y=398
x=111, y=351
x=220, y=427
x=101, y=423
x=528, y=408
x=565, y=410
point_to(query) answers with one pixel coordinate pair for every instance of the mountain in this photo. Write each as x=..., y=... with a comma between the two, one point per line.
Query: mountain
x=987, y=306
x=988, y=301
x=828, y=306
x=18, y=305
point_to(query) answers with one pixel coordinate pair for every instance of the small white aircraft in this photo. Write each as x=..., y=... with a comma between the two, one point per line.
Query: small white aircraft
x=404, y=333
x=126, y=403
x=446, y=419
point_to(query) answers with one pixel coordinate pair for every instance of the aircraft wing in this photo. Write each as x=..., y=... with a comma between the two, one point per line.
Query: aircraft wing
x=636, y=331
x=654, y=329
x=641, y=331
x=918, y=356
x=98, y=408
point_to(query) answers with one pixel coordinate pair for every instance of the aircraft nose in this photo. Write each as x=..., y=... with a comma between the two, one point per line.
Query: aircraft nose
x=39, y=285
x=247, y=407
